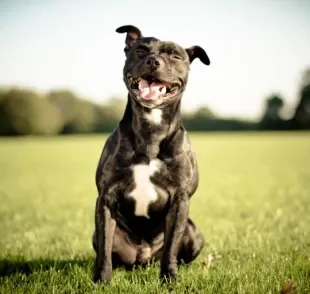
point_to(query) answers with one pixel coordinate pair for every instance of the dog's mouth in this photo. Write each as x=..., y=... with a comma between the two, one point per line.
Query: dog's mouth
x=150, y=88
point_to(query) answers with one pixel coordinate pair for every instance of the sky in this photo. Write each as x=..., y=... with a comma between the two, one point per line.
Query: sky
x=256, y=47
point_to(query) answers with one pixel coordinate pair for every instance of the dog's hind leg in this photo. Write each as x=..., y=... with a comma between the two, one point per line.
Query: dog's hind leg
x=192, y=243
x=124, y=251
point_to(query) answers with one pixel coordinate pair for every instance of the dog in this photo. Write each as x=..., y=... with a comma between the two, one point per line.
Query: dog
x=147, y=171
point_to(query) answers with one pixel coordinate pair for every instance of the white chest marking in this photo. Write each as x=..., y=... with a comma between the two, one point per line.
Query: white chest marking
x=154, y=116
x=144, y=192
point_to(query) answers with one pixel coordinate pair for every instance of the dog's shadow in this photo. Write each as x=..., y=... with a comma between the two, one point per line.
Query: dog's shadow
x=10, y=267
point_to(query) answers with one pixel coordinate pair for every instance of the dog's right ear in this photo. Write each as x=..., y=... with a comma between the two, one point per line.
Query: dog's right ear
x=133, y=35
x=196, y=51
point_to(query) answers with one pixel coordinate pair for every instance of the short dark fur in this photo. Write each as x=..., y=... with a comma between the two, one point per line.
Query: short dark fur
x=168, y=235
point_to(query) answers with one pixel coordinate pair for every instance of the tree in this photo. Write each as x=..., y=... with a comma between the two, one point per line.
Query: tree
x=77, y=114
x=24, y=112
x=108, y=115
x=204, y=113
x=5, y=123
x=271, y=119
x=301, y=118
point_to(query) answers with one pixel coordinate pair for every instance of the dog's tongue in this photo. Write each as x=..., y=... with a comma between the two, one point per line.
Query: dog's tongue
x=151, y=91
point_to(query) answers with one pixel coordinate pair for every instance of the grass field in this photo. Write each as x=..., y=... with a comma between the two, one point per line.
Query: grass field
x=253, y=207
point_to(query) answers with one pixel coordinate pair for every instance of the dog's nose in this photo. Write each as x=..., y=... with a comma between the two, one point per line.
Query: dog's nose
x=153, y=62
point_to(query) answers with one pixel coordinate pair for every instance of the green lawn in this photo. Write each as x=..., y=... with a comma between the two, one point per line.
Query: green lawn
x=252, y=205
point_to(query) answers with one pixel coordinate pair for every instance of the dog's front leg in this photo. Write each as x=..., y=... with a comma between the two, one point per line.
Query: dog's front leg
x=105, y=228
x=175, y=225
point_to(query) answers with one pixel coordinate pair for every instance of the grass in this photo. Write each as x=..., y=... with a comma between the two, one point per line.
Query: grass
x=253, y=207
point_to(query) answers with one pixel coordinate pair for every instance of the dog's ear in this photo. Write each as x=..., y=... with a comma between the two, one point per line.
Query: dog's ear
x=133, y=35
x=196, y=51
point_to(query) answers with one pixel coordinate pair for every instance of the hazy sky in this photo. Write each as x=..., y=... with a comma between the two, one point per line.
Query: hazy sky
x=255, y=46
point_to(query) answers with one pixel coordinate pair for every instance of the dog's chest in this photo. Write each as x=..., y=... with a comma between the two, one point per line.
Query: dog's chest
x=144, y=192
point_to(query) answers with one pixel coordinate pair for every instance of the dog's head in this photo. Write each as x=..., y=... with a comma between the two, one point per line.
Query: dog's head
x=155, y=71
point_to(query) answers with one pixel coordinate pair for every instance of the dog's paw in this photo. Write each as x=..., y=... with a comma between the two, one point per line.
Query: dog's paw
x=168, y=273
x=103, y=274
x=102, y=271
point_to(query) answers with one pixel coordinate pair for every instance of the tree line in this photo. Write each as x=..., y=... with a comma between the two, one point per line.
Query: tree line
x=27, y=112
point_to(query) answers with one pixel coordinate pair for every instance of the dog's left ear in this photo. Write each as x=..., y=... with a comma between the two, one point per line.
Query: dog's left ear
x=196, y=51
x=133, y=35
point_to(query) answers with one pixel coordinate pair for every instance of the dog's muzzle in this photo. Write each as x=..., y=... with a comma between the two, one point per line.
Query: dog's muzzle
x=149, y=88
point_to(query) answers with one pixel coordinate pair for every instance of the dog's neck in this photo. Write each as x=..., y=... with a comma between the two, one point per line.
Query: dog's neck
x=146, y=128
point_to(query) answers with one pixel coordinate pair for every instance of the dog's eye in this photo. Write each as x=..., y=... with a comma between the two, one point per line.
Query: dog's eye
x=176, y=57
x=140, y=52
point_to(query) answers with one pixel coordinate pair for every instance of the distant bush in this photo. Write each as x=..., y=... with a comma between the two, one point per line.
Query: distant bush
x=77, y=114
x=107, y=116
x=24, y=112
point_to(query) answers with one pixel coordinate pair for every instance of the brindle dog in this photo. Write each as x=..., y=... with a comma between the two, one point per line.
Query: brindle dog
x=148, y=172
